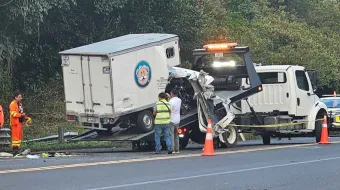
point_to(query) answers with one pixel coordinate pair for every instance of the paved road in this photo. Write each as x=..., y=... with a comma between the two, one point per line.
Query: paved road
x=296, y=166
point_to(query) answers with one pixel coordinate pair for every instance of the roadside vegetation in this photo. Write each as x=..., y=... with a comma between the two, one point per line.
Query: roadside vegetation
x=299, y=32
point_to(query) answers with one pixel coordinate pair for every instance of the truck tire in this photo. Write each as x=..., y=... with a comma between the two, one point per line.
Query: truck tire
x=266, y=139
x=318, y=129
x=183, y=143
x=145, y=121
x=229, y=137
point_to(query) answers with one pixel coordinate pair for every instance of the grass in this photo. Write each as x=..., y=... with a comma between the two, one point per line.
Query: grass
x=42, y=129
x=56, y=146
x=250, y=136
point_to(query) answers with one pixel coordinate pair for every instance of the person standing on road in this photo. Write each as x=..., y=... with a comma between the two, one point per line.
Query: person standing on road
x=2, y=118
x=175, y=103
x=17, y=118
x=162, y=114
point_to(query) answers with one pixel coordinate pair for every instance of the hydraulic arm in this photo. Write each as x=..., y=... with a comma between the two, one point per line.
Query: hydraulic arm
x=222, y=65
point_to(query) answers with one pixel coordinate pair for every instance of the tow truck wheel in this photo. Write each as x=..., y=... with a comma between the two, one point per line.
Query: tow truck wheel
x=318, y=129
x=229, y=138
x=183, y=143
x=145, y=121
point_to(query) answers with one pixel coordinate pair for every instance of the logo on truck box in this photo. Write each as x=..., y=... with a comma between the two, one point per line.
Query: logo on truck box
x=142, y=74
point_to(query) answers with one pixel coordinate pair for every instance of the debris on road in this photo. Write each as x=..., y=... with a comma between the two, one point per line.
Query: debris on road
x=45, y=155
x=26, y=152
x=32, y=156
x=5, y=154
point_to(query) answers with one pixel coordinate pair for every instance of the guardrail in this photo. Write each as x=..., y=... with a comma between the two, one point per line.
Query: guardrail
x=5, y=137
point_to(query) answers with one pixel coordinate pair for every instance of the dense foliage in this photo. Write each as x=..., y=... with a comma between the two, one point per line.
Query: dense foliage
x=302, y=32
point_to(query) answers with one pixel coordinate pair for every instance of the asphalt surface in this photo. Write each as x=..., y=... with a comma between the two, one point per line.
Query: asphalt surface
x=285, y=165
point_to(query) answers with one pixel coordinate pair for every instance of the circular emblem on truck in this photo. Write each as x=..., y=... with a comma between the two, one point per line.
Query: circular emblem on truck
x=142, y=74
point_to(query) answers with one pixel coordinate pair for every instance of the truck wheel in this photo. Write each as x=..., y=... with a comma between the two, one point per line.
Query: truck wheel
x=216, y=142
x=229, y=138
x=266, y=139
x=145, y=121
x=183, y=143
x=318, y=129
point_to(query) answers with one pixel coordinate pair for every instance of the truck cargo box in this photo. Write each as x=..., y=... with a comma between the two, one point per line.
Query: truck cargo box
x=115, y=77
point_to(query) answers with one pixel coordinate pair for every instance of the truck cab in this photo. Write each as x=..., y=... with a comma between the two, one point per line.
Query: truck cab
x=288, y=96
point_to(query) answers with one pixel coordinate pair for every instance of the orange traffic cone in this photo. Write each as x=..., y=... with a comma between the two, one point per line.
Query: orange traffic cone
x=324, y=132
x=208, y=149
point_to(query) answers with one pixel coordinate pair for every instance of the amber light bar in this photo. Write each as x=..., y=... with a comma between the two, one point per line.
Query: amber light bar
x=219, y=47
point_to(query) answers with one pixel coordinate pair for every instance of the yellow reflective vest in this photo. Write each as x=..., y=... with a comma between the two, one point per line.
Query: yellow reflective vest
x=163, y=112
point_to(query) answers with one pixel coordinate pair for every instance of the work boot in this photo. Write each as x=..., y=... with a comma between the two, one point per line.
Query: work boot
x=15, y=151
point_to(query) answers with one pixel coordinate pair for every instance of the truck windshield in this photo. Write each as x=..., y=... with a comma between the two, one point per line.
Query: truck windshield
x=332, y=103
x=229, y=63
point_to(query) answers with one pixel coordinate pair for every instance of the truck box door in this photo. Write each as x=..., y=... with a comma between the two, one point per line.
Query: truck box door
x=98, y=91
x=73, y=84
x=87, y=85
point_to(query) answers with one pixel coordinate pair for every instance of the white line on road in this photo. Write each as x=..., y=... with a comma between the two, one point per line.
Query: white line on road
x=213, y=174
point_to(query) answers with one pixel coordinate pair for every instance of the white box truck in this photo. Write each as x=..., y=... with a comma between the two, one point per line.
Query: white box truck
x=118, y=80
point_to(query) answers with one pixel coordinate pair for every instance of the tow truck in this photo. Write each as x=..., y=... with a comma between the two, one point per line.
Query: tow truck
x=272, y=101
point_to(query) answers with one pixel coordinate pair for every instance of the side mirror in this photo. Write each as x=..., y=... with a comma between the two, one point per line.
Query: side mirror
x=313, y=76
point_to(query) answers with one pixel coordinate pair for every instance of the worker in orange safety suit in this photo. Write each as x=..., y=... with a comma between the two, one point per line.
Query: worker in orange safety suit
x=17, y=119
x=2, y=119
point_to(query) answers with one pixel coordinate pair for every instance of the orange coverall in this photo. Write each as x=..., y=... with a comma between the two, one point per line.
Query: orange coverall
x=16, y=125
x=2, y=119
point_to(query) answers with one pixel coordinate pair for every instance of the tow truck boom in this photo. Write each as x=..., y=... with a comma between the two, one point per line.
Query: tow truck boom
x=204, y=91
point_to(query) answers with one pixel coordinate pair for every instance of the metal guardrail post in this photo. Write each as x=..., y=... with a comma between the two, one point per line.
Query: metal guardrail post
x=61, y=130
x=5, y=137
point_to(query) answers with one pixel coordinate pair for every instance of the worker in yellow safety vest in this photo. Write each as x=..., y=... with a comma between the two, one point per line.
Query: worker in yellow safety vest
x=162, y=113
